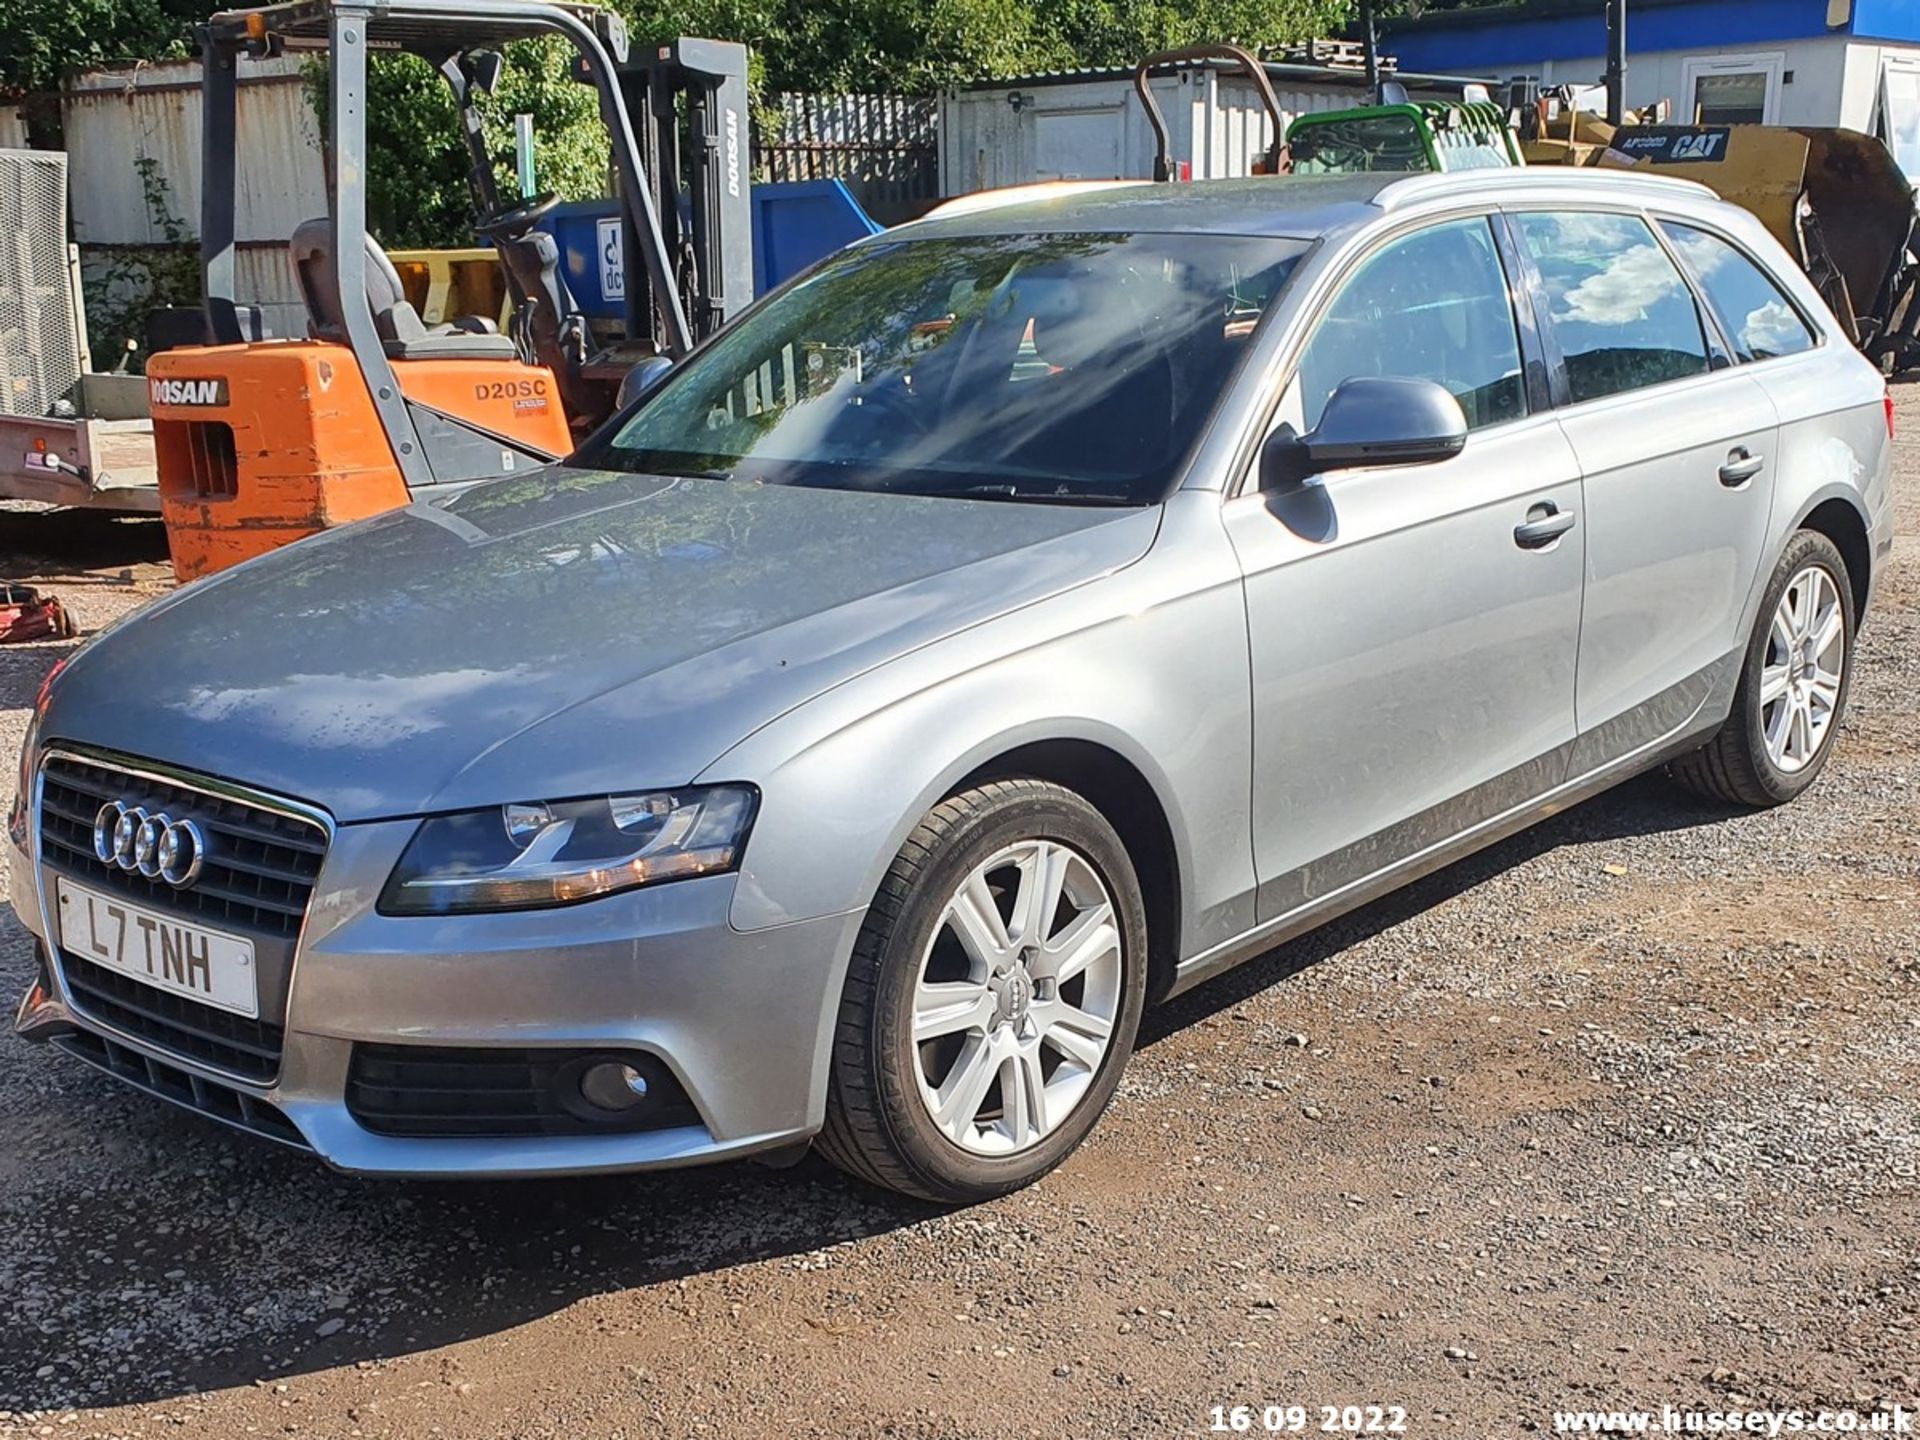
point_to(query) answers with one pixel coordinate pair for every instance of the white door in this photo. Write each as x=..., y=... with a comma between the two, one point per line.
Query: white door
x=1080, y=144
x=1899, y=120
x=1732, y=89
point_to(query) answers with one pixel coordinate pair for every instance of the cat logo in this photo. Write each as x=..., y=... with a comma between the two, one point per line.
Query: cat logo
x=1697, y=147
x=188, y=392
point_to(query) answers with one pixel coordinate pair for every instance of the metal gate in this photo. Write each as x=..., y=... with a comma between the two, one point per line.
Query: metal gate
x=39, y=332
x=885, y=147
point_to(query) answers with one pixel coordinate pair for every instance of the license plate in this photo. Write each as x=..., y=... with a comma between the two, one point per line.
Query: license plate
x=167, y=953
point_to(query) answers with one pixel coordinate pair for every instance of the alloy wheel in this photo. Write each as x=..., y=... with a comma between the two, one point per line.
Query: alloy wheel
x=1805, y=664
x=1017, y=997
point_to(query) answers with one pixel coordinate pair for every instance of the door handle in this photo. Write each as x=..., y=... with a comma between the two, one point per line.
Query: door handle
x=1545, y=523
x=1742, y=465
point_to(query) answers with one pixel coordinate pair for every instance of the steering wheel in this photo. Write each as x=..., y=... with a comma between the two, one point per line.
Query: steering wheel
x=516, y=220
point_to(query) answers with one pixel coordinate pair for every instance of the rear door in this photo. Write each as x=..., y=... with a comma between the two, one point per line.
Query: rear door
x=1676, y=445
x=1413, y=635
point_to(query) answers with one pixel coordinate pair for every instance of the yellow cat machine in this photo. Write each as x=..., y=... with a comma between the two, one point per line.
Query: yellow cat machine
x=1836, y=199
x=260, y=441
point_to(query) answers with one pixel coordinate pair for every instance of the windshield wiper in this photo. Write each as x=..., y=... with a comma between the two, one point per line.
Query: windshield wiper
x=691, y=474
x=1005, y=491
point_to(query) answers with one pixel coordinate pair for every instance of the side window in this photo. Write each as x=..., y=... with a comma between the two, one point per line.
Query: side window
x=1433, y=305
x=1620, y=309
x=1758, y=319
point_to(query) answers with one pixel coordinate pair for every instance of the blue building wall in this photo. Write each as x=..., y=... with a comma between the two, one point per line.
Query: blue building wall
x=1475, y=41
x=1887, y=19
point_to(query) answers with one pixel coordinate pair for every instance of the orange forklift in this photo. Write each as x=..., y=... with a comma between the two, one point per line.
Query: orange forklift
x=260, y=441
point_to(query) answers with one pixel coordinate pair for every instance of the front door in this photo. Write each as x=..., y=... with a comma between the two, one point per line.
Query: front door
x=1413, y=630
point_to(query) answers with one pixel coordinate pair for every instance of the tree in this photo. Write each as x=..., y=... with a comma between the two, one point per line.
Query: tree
x=41, y=40
x=417, y=189
x=416, y=172
x=917, y=45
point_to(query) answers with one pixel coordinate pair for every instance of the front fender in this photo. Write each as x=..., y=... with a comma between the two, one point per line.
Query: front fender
x=1150, y=663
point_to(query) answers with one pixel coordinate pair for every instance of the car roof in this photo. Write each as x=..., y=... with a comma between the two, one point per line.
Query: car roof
x=1298, y=206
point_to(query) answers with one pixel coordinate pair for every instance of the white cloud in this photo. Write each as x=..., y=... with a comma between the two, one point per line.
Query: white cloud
x=1773, y=329
x=1620, y=294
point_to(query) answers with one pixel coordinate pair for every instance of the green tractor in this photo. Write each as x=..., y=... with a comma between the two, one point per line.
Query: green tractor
x=1404, y=135
x=1395, y=133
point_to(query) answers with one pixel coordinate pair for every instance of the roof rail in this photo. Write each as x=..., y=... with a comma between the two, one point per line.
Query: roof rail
x=1415, y=188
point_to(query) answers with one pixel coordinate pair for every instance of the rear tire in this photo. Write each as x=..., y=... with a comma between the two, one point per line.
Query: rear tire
x=1793, y=685
x=993, y=997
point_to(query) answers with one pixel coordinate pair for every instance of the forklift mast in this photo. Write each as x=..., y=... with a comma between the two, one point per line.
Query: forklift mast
x=693, y=96
x=347, y=30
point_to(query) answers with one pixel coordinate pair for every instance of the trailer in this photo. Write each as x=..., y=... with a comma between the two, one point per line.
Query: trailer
x=68, y=436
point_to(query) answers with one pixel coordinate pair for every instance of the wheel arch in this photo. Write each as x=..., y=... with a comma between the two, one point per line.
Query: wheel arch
x=1840, y=518
x=1110, y=768
x=1117, y=788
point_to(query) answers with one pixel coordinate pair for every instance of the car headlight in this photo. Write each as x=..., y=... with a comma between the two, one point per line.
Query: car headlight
x=523, y=857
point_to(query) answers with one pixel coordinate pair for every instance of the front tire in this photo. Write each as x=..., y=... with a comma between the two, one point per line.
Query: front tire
x=1793, y=687
x=993, y=997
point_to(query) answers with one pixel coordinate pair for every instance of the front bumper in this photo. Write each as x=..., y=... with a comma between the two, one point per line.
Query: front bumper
x=742, y=1020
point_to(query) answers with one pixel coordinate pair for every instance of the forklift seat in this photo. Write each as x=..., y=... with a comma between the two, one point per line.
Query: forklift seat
x=402, y=335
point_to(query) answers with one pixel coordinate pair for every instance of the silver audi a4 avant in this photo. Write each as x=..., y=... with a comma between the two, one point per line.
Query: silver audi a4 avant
x=1022, y=617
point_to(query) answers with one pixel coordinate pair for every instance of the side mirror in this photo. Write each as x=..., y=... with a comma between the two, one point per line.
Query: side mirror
x=484, y=68
x=641, y=379
x=1369, y=421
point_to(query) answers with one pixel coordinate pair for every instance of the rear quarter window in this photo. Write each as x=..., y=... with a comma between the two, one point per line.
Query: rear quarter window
x=1759, y=319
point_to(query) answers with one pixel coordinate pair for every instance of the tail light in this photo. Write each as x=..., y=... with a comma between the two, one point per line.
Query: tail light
x=1890, y=414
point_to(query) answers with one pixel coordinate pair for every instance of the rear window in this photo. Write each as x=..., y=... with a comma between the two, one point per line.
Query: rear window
x=1759, y=320
x=1619, y=307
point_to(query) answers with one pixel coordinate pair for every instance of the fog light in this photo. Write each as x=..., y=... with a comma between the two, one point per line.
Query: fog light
x=613, y=1086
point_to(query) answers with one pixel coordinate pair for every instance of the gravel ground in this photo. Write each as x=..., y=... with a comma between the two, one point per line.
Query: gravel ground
x=1618, y=1113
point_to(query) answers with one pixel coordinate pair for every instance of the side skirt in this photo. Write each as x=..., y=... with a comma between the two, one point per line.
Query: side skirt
x=1352, y=896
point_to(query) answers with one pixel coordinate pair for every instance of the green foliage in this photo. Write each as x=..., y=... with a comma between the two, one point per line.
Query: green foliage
x=41, y=40
x=917, y=45
x=417, y=191
x=417, y=166
x=1413, y=9
x=125, y=286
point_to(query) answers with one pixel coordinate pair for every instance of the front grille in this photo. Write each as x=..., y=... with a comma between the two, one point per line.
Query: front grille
x=422, y=1091
x=259, y=871
x=156, y=1077
x=256, y=880
x=247, y=1048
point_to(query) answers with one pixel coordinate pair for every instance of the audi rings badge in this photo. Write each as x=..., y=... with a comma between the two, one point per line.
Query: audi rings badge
x=154, y=845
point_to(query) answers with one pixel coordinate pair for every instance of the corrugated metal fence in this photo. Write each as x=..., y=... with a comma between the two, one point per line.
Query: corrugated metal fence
x=114, y=119
x=133, y=135
x=886, y=147
x=133, y=138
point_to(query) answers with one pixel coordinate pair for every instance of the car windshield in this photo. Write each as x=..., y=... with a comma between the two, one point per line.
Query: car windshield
x=1072, y=368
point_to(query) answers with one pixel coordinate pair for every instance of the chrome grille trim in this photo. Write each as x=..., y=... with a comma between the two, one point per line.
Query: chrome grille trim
x=258, y=877
x=157, y=773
